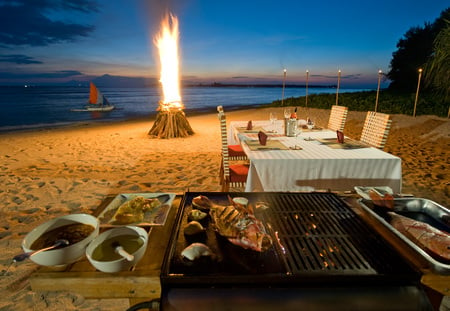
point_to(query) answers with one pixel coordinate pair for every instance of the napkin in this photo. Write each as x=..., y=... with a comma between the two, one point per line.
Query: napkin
x=262, y=138
x=340, y=137
x=249, y=125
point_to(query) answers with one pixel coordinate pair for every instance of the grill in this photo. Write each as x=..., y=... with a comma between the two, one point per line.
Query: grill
x=323, y=256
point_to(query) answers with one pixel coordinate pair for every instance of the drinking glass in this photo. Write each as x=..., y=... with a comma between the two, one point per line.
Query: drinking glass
x=310, y=124
x=298, y=131
x=287, y=113
x=273, y=118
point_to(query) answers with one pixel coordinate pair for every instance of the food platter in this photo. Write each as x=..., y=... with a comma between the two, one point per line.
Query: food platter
x=364, y=191
x=419, y=209
x=152, y=212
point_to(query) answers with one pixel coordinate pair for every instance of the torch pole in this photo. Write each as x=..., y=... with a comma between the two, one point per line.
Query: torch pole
x=337, y=89
x=378, y=89
x=417, y=91
x=284, y=83
x=306, y=98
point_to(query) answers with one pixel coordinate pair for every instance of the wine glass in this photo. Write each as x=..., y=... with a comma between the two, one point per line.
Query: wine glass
x=273, y=118
x=287, y=113
x=310, y=124
x=297, y=132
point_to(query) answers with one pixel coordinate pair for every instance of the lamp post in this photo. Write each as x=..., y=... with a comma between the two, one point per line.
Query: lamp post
x=306, y=98
x=337, y=89
x=284, y=83
x=378, y=89
x=417, y=91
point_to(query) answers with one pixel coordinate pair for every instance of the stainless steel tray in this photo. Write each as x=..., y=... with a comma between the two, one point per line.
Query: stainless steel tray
x=420, y=209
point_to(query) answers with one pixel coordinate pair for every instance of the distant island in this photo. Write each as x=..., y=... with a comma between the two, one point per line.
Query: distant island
x=277, y=85
x=111, y=81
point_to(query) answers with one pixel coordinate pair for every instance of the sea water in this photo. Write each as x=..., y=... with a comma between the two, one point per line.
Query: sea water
x=35, y=107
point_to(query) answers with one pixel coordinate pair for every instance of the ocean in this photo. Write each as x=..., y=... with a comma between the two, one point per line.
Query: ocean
x=36, y=107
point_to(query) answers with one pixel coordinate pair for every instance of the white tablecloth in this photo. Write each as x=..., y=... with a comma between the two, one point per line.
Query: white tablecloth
x=316, y=166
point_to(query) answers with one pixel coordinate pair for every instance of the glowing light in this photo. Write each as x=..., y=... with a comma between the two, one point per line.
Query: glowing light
x=167, y=44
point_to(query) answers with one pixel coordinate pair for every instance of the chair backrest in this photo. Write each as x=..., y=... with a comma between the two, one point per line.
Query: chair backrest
x=338, y=116
x=224, y=140
x=376, y=129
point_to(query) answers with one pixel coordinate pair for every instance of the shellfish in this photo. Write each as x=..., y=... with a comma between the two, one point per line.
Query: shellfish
x=195, y=251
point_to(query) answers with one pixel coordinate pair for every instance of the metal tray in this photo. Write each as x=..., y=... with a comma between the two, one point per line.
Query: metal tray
x=419, y=209
x=157, y=217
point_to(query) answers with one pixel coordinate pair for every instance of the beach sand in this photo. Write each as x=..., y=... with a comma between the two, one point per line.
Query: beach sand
x=54, y=172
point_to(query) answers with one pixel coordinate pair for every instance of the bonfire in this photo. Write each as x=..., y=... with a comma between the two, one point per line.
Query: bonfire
x=171, y=120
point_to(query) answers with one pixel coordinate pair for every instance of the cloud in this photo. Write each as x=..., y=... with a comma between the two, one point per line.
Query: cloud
x=26, y=23
x=40, y=75
x=18, y=59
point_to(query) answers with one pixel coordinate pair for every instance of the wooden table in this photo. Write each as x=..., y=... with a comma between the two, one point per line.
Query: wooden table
x=141, y=284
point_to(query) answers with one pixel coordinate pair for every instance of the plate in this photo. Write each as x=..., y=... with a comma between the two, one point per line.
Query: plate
x=364, y=191
x=155, y=217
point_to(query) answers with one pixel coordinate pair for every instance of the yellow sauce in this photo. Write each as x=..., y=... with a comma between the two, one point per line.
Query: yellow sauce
x=106, y=250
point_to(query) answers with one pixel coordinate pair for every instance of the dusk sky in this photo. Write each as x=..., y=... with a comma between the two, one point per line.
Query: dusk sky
x=231, y=41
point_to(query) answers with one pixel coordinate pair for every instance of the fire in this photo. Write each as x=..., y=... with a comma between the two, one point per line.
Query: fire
x=167, y=44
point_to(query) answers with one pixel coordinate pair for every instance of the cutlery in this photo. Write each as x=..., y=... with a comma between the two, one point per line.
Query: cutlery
x=119, y=250
x=23, y=256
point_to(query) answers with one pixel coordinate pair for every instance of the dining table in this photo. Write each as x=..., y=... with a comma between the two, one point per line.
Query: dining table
x=311, y=160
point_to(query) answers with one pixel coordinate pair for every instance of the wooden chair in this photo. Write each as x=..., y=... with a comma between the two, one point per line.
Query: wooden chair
x=231, y=175
x=235, y=152
x=338, y=116
x=376, y=129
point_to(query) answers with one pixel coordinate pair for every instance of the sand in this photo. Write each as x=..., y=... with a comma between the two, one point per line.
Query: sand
x=53, y=172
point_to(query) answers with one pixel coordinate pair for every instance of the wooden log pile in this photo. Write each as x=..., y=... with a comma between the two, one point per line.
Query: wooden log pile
x=171, y=123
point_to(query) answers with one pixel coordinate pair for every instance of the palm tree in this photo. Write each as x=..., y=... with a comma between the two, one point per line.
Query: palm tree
x=437, y=69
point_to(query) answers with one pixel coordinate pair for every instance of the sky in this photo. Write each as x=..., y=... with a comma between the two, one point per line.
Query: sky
x=226, y=41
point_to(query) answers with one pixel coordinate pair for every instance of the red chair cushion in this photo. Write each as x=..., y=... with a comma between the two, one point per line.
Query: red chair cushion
x=235, y=151
x=238, y=172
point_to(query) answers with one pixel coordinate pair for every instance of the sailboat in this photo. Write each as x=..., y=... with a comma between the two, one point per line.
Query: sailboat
x=97, y=101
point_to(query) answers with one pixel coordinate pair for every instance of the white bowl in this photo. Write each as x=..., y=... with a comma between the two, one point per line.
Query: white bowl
x=113, y=262
x=67, y=254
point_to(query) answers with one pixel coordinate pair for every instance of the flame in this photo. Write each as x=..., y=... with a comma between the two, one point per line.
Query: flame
x=167, y=44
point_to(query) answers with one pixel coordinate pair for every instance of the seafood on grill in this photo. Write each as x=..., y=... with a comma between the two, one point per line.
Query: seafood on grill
x=238, y=224
x=196, y=215
x=193, y=227
x=430, y=239
x=202, y=203
x=195, y=251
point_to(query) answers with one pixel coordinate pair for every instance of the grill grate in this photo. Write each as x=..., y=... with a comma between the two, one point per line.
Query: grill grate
x=319, y=239
x=316, y=233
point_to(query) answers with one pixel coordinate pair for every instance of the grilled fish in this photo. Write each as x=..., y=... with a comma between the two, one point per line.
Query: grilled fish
x=432, y=240
x=238, y=225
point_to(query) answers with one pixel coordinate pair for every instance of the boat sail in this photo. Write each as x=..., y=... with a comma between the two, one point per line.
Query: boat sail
x=97, y=101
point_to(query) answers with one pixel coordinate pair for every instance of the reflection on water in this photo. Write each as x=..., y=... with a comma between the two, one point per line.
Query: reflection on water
x=35, y=107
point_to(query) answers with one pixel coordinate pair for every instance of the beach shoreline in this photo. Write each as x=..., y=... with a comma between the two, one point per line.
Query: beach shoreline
x=51, y=172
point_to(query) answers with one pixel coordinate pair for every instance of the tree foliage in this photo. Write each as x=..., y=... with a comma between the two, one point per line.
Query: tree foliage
x=415, y=49
x=437, y=69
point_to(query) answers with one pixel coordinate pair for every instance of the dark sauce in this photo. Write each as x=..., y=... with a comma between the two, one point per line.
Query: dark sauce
x=74, y=233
